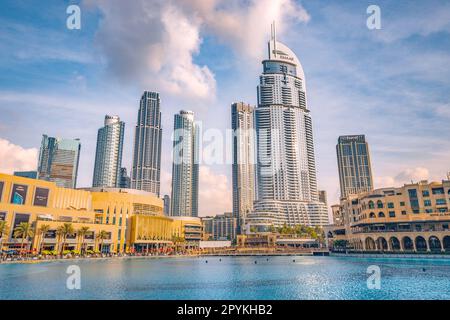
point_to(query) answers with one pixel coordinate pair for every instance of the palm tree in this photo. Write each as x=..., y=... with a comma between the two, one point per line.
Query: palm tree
x=102, y=235
x=42, y=231
x=81, y=234
x=3, y=231
x=65, y=230
x=24, y=231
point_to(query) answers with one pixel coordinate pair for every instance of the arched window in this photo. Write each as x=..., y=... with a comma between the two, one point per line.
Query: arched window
x=380, y=215
x=372, y=215
x=379, y=204
x=371, y=205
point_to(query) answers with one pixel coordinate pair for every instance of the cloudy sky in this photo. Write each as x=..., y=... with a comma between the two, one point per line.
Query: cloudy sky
x=390, y=84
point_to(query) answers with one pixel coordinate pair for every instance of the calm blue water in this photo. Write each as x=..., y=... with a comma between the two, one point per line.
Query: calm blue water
x=231, y=278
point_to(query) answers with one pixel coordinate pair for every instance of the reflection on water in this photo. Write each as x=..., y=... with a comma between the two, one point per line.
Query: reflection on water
x=229, y=278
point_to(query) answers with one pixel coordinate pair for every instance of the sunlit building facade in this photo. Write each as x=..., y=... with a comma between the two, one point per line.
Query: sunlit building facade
x=411, y=218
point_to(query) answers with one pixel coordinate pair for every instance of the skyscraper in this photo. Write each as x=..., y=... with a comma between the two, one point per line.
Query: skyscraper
x=125, y=181
x=146, y=171
x=184, y=197
x=166, y=200
x=108, y=155
x=244, y=161
x=355, y=170
x=286, y=170
x=58, y=161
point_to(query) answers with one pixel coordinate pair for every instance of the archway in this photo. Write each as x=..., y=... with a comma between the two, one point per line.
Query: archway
x=370, y=244
x=421, y=244
x=372, y=215
x=382, y=244
x=407, y=243
x=434, y=244
x=446, y=243
x=395, y=244
x=381, y=214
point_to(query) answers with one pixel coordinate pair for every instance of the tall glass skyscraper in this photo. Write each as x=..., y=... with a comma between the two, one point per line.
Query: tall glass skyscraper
x=244, y=161
x=58, y=161
x=184, y=197
x=146, y=171
x=286, y=170
x=108, y=156
x=355, y=170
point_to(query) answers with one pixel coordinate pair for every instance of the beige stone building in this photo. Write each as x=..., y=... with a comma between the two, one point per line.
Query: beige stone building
x=412, y=218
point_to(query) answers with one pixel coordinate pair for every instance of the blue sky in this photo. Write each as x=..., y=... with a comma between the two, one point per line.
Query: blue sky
x=391, y=84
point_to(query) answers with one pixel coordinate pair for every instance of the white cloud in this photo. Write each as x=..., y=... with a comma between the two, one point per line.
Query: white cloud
x=16, y=158
x=154, y=42
x=214, y=193
x=406, y=176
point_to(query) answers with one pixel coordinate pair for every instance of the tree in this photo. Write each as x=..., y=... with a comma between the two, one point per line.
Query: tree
x=102, y=235
x=24, y=231
x=42, y=231
x=81, y=234
x=65, y=230
x=3, y=231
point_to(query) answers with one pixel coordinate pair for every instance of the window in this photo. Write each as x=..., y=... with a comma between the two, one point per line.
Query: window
x=402, y=203
x=372, y=215
x=428, y=210
x=442, y=209
x=379, y=204
x=403, y=212
x=2, y=216
x=390, y=205
x=371, y=205
x=413, y=200
x=440, y=202
x=437, y=190
x=445, y=226
x=427, y=203
x=392, y=214
x=381, y=215
x=41, y=197
x=425, y=193
x=19, y=194
x=2, y=184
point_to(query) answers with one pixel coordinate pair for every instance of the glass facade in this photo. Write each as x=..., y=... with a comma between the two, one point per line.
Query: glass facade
x=355, y=171
x=58, y=161
x=108, y=156
x=146, y=171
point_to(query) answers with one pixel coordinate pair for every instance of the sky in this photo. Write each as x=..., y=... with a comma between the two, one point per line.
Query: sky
x=391, y=84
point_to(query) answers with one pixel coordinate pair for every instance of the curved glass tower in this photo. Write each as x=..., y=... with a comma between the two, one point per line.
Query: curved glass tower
x=286, y=170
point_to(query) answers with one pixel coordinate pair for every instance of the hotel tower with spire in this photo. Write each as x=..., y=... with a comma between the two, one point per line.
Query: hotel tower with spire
x=286, y=170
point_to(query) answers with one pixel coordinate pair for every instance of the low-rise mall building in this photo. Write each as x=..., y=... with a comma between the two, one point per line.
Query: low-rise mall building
x=127, y=219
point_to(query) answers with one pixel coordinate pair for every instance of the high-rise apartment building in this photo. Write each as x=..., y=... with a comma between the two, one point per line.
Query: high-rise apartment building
x=108, y=155
x=146, y=171
x=244, y=161
x=58, y=161
x=184, y=197
x=286, y=170
x=355, y=171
